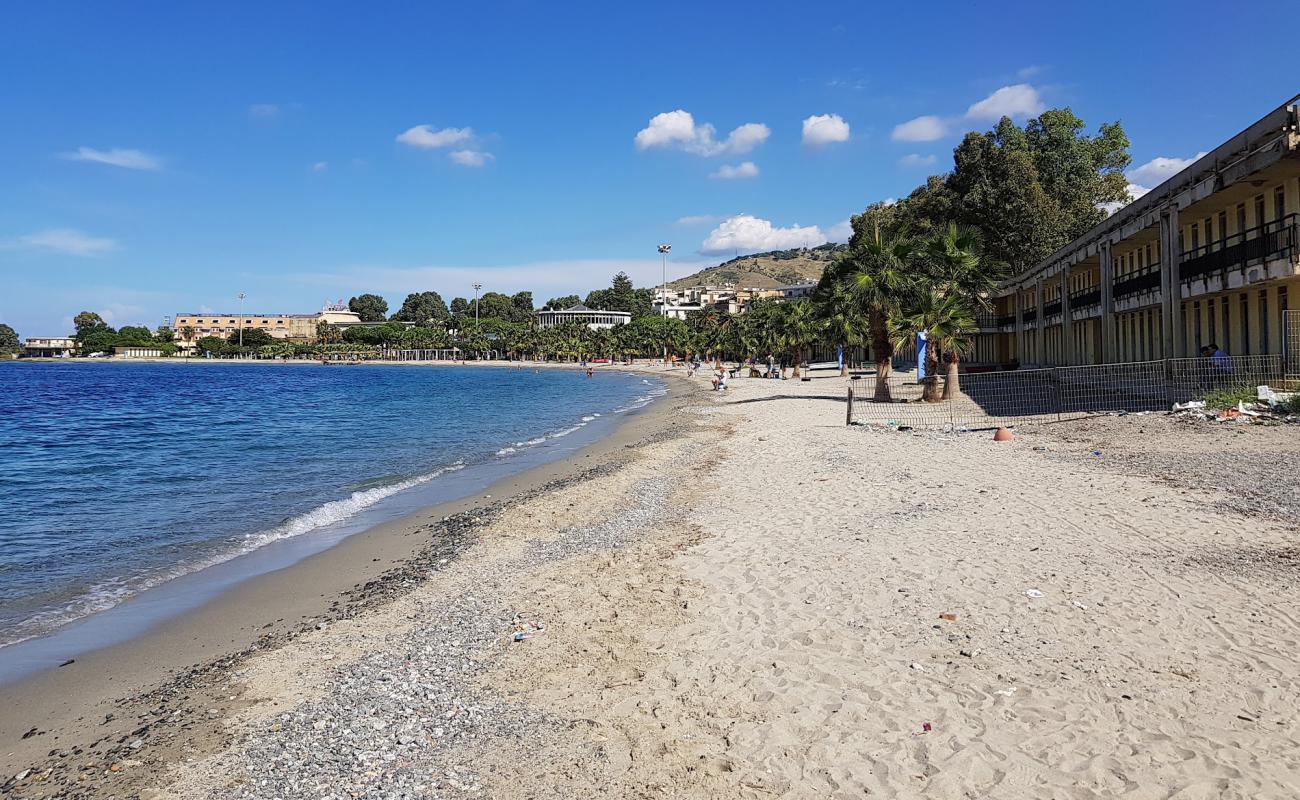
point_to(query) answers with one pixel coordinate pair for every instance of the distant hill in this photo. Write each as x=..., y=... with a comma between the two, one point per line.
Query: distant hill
x=766, y=270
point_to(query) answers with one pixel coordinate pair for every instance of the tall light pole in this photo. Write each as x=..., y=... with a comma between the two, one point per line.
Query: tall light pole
x=477, y=286
x=663, y=292
x=241, y=319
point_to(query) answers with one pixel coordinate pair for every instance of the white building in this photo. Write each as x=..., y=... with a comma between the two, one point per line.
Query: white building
x=50, y=347
x=587, y=316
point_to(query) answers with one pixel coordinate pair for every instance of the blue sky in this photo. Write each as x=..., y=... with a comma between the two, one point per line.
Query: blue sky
x=162, y=157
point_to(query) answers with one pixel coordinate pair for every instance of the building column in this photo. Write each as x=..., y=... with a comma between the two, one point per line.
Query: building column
x=1067, y=320
x=1040, y=318
x=1020, y=326
x=1171, y=284
x=1107, y=319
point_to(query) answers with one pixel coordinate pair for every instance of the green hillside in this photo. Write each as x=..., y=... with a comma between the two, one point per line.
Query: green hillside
x=766, y=270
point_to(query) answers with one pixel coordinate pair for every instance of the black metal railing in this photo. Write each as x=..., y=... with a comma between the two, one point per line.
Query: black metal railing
x=1029, y=315
x=1006, y=320
x=1052, y=309
x=1144, y=279
x=1259, y=243
x=1083, y=298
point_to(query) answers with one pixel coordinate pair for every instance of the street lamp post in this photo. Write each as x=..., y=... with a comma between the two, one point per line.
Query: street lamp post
x=477, y=286
x=241, y=319
x=663, y=292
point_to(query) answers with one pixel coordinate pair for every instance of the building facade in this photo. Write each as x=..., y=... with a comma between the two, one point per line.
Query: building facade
x=590, y=317
x=189, y=328
x=50, y=347
x=1209, y=256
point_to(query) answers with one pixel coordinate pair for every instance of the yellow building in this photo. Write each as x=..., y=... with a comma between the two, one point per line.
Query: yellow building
x=291, y=327
x=1209, y=256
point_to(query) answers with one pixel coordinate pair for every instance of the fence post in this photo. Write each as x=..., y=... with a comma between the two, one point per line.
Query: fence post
x=1168, y=373
x=848, y=414
x=1056, y=390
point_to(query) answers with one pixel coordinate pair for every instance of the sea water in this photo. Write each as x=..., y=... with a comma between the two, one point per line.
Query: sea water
x=118, y=478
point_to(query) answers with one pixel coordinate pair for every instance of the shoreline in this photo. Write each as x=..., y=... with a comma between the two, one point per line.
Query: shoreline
x=58, y=708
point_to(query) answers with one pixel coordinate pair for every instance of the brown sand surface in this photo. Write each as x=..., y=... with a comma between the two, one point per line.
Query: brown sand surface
x=766, y=603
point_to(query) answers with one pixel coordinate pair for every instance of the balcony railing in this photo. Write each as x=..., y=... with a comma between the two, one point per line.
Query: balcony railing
x=1052, y=309
x=1029, y=315
x=1270, y=240
x=1146, y=278
x=1083, y=298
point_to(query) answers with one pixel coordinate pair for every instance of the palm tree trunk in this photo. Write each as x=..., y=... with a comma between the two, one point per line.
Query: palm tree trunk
x=844, y=361
x=883, y=352
x=951, y=384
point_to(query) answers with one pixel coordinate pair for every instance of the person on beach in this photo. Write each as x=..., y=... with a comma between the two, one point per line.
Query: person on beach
x=1221, y=361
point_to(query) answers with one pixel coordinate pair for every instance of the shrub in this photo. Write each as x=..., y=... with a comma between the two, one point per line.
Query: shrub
x=1229, y=398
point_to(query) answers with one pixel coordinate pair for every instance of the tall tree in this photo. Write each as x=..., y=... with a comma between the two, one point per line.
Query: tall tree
x=370, y=307
x=423, y=308
x=88, y=321
x=561, y=303
x=1032, y=190
x=523, y=301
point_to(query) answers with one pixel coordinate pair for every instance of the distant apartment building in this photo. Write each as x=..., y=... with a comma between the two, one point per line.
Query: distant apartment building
x=726, y=298
x=189, y=328
x=50, y=347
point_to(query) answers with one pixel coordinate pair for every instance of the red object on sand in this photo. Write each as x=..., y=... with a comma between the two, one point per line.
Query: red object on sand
x=1002, y=435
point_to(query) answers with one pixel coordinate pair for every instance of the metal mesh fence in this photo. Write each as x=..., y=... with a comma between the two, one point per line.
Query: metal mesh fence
x=990, y=399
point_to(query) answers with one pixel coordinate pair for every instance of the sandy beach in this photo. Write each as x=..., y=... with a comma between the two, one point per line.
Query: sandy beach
x=739, y=596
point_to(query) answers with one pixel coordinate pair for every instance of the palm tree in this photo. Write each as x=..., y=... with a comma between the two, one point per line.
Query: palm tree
x=947, y=321
x=840, y=312
x=955, y=268
x=879, y=270
x=799, y=328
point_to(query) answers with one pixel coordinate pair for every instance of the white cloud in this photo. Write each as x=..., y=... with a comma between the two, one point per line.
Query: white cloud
x=264, y=109
x=470, y=158
x=697, y=219
x=749, y=234
x=677, y=129
x=840, y=231
x=1135, y=191
x=745, y=169
x=1160, y=169
x=916, y=161
x=426, y=138
x=61, y=241
x=922, y=129
x=1020, y=100
x=320, y=166
x=117, y=157
x=822, y=129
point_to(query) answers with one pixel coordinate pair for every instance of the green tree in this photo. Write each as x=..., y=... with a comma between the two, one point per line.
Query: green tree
x=370, y=307
x=252, y=338
x=523, y=301
x=1032, y=190
x=210, y=344
x=9, y=342
x=88, y=321
x=460, y=306
x=947, y=322
x=327, y=333
x=798, y=328
x=136, y=335
x=561, y=303
x=838, y=308
x=878, y=268
x=423, y=308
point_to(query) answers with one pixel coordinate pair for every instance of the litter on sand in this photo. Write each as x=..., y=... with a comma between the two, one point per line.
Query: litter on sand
x=1034, y=593
x=526, y=629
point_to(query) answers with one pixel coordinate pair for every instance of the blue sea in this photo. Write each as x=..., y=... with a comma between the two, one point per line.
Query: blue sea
x=115, y=478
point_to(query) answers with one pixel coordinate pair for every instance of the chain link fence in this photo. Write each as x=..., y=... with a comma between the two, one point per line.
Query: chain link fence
x=1018, y=397
x=1291, y=341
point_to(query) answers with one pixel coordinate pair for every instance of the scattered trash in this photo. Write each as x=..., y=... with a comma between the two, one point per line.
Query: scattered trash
x=526, y=629
x=1078, y=605
x=1096, y=452
x=1039, y=448
x=1190, y=404
x=1034, y=593
x=904, y=427
x=917, y=667
x=948, y=616
x=69, y=661
x=1006, y=692
x=925, y=728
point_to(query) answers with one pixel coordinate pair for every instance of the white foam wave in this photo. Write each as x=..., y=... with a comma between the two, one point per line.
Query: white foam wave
x=113, y=591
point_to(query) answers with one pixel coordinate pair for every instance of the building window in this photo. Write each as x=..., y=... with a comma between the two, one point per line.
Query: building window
x=1223, y=305
x=1148, y=251
x=1196, y=237
x=1209, y=232
x=1241, y=221
x=1196, y=324
x=1259, y=211
x=1209, y=313
x=1279, y=203
x=1223, y=229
